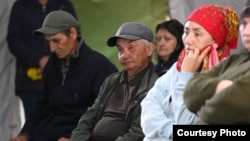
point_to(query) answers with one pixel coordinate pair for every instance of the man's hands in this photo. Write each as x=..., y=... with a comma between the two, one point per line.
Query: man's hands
x=64, y=139
x=19, y=138
x=42, y=63
x=222, y=85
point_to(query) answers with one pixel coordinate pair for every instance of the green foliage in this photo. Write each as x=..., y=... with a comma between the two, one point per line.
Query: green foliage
x=100, y=19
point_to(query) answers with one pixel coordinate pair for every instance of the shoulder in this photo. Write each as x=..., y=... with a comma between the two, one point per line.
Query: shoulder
x=172, y=72
x=111, y=80
x=88, y=53
x=113, y=77
x=167, y=80
x=238, y=55
x=100, y=59
x=236, y=58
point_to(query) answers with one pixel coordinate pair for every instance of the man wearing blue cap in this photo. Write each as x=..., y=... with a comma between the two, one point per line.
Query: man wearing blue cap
x=72, y=79
x=115, y=115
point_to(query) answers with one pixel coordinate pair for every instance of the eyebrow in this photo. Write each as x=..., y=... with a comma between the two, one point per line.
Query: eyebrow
x=194, y=29
x=197, y=29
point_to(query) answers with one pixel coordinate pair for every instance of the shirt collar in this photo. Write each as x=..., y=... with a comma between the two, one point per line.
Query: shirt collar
x=134, y=81
x=79, y=38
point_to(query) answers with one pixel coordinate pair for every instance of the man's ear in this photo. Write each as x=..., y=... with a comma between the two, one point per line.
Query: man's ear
x=73, y=32
x=150, y=49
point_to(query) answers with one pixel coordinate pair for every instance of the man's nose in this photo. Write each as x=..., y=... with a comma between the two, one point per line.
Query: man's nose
x=125, y=54
x=52, y=46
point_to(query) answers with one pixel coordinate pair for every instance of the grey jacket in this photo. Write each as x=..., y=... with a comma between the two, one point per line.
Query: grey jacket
x=133, y=129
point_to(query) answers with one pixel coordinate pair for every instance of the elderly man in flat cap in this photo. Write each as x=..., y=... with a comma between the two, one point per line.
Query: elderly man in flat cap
x=115, y=115
x=72, y=79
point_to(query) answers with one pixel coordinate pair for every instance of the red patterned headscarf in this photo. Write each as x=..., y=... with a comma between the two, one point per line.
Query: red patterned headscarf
x=222, y=24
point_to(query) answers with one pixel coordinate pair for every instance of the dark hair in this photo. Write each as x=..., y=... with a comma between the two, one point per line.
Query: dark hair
x=174, y=27
x=245, y=13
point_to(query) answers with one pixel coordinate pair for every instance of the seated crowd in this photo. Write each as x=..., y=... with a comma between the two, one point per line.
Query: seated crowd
x=195, y=80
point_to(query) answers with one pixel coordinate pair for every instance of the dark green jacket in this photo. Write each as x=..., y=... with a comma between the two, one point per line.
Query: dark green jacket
x=133, y=131
x=229, y=106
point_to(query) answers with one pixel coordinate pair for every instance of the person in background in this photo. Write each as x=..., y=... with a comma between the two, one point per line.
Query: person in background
x=72, y=78
x=223, y=96
x=115, y=115
x=169, y=44
x=31, y=53
x=247, y=4
x=210, y=31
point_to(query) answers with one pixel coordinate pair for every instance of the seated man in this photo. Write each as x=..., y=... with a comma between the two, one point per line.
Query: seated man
x=71, y=80
x=115, y=115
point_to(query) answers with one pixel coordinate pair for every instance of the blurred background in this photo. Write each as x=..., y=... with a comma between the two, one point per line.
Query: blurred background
x=101, y=18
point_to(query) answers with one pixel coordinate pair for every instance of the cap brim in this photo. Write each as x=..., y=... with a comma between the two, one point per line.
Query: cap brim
x=46, y=30
x=112, y=40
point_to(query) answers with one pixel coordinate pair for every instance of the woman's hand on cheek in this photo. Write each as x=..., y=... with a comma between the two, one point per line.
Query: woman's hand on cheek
x=193, y=60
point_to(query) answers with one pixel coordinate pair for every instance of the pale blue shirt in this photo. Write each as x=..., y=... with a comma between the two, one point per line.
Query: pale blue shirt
x=164, y=106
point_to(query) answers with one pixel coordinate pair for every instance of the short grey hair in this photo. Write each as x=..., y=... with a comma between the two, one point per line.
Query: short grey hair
x=146, y=45
x=145, y=42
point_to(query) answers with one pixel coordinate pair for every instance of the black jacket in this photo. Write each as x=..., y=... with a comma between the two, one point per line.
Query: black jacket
x=26, y=16
x=66, y=99
x=162, y=67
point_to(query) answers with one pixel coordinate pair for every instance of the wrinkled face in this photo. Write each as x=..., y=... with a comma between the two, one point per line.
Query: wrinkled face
x=245, y=32
x=166, y=43
x=134, y=56
x=61, y=44
x=195, y=36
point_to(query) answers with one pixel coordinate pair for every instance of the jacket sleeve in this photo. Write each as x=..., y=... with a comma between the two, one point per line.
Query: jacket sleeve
x=199, y=88
x=231, y=105
x=156, y=119
x=37, y=113
x=104, y=69
x=183, y=115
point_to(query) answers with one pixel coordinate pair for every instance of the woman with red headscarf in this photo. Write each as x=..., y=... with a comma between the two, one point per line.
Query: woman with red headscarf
x=223, y=95
x=210, y=31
